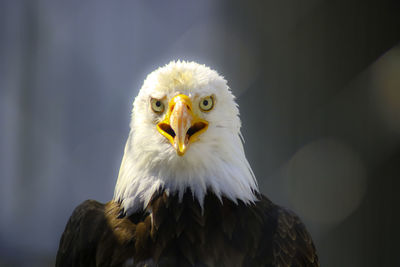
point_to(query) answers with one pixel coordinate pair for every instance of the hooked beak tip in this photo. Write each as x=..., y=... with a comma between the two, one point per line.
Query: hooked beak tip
x=180, y=148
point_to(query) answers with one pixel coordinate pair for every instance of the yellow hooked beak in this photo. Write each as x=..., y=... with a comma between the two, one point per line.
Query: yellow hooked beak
x=180, y=125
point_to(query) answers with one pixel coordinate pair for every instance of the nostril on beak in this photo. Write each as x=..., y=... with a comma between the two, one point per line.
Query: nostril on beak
x=167, y=128
x=198, y=126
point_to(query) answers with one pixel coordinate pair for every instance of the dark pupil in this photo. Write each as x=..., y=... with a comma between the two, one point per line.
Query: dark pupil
x=158, y=103
x=205, y=102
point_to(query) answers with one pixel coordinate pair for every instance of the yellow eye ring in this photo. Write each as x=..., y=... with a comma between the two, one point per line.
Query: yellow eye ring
x=206, y=103
x=157, y=105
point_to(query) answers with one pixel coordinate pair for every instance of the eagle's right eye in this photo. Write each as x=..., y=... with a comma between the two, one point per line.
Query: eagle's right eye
x=157, y=105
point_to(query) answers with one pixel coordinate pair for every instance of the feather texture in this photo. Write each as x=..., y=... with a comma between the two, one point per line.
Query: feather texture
x=178, y=233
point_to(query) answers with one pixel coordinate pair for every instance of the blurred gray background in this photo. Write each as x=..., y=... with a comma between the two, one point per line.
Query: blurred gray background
x=318, y=84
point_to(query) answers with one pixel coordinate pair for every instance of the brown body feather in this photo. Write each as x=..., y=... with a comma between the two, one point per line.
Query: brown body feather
x=180, y=233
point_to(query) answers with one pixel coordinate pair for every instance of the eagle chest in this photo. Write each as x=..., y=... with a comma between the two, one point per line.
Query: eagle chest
x=180, y=233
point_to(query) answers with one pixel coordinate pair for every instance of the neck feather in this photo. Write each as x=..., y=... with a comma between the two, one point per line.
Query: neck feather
x=221, y=168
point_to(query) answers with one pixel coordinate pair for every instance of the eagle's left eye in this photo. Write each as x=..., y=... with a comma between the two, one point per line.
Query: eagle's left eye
x=206, y=103
x=157, y=105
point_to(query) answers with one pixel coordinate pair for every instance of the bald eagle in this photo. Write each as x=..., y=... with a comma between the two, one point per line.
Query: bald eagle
x=185, y=194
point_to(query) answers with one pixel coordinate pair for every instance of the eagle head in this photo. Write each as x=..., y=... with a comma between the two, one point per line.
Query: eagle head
x=185, y=134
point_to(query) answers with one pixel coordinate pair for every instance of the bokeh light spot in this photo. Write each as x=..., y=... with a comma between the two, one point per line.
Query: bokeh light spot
x=386, y=88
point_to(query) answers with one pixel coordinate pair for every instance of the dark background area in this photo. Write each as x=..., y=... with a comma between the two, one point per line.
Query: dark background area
x=318, y=84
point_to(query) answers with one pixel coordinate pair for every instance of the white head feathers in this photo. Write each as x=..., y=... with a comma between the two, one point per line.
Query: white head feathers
x=216, y=162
